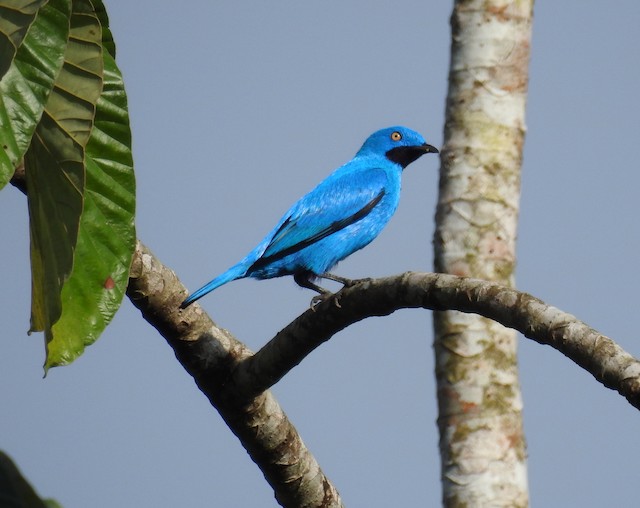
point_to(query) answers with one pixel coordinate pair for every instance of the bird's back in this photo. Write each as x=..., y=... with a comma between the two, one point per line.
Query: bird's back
x=341, y=215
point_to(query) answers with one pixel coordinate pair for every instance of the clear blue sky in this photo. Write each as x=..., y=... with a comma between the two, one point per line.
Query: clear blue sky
x=236, y=113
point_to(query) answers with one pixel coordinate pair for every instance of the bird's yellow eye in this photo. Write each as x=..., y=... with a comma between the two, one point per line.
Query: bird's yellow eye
x=396, y=136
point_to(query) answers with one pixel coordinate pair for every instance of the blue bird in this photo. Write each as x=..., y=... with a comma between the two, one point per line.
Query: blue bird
x=343, y=214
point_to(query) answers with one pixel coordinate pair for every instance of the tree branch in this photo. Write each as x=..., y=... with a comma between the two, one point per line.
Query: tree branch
x=599, y=355
x=210, y=354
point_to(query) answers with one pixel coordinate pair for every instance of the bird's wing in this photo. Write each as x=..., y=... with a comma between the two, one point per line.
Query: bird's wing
x=341, y=200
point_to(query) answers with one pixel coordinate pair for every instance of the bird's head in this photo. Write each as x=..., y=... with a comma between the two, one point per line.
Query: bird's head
x=398, y=144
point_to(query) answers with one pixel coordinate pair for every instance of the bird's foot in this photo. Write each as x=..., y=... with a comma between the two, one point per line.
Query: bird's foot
x=323, y=297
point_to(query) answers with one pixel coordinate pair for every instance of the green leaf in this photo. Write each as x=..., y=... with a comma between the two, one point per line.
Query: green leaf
x=55, y=183
x=15, y=18
x=16, y=491
x=94, y=292
x=54, y=162
x=26, y=85
x=107, y=36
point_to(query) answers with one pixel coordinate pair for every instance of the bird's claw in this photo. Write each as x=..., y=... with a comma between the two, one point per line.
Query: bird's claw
x=323, y=297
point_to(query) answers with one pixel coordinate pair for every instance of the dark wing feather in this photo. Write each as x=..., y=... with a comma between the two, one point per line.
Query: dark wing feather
x=339, y=201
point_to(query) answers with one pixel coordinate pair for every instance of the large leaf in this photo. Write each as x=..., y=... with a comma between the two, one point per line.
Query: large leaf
x=55, y=166
x=55, y=183
x=15, y=490
x=26, y=85
x=15, y=18
x=93, y=293
x=107, y=37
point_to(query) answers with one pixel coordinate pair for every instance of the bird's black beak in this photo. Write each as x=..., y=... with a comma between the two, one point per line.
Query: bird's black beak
x=430, y=148
x=405, y=155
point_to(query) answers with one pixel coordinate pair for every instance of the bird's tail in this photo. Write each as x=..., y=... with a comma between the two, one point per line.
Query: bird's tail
x=235, y=272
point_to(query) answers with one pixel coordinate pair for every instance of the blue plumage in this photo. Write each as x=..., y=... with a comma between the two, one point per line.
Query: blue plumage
x=341, y=215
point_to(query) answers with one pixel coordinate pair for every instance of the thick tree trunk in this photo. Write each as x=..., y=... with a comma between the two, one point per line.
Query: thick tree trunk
x=480, y=408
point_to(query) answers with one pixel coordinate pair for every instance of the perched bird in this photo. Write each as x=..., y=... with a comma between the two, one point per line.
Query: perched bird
x=341, y=215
